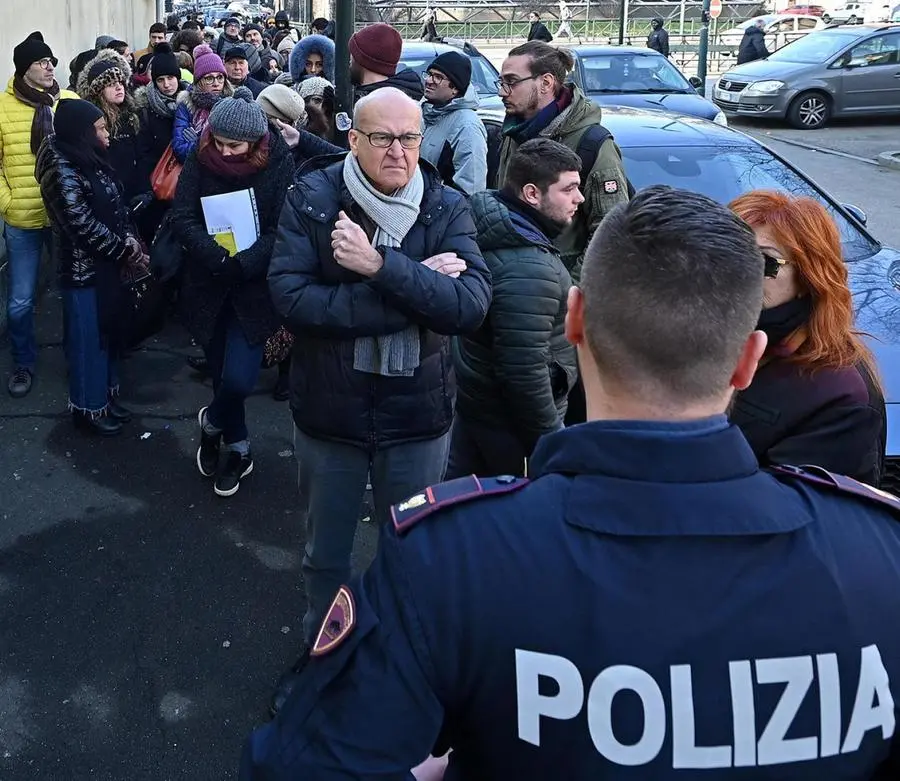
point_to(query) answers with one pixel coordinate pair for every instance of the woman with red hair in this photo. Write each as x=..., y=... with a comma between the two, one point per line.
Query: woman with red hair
x=816, y=398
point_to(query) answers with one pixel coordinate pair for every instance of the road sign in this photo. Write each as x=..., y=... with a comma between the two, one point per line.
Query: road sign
x=715, y=9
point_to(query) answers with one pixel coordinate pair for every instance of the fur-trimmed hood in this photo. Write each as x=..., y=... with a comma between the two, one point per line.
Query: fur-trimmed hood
x=186, y=98
x=119, y=69
x=312, y=43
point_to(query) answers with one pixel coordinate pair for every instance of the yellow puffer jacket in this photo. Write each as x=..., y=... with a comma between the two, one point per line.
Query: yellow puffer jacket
x=20, y=196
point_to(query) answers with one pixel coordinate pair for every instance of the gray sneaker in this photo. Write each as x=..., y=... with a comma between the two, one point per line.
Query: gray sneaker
x=20, y=382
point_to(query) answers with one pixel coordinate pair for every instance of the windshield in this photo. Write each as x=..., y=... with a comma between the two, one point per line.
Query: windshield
x=814, y=48
x=754, y=20
x=632, y=73
x=724, y=173
x=484, y=75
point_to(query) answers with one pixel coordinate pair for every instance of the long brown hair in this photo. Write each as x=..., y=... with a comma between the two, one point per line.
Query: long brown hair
x=805, y=229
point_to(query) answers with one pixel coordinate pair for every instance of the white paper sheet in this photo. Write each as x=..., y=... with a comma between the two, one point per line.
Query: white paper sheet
x=233, y=213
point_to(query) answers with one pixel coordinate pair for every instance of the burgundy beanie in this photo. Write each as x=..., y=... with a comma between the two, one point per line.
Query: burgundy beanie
x=206, y=61
x=377, y=48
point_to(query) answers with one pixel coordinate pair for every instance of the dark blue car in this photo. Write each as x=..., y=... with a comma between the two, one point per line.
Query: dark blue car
x=684, y=151
x=639, y=77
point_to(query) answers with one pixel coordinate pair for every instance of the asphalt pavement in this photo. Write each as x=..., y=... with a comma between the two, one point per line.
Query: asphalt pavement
x=145, y=619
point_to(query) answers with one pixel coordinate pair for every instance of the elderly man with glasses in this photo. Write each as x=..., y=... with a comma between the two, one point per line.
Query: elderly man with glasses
x=375, y=267
x=26, y=118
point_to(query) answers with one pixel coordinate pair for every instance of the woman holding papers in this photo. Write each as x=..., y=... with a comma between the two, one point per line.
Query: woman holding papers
x=226, y=213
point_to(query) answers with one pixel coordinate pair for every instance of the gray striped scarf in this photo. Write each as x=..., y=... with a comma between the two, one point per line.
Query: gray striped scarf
x=390, y=355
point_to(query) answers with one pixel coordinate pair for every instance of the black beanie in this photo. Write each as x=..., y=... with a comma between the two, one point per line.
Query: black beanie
x=456, y=67
x=72, y=119
x=30, y=51
x=164, y=62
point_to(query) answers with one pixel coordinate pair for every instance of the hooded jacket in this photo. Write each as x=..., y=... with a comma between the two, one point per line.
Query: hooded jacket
x=659, y=38
x=753, y=45
x=604, y=186
x=539, y=32
x=405, y=80
x=455, y=142
x=20, y=196
x=515, y=372
x=327, y=306
x=307, y=45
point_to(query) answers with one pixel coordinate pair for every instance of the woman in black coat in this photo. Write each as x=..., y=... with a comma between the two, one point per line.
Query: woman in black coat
x=155, y=105
x=224, y=295
x=816, y=398
x=95, y=241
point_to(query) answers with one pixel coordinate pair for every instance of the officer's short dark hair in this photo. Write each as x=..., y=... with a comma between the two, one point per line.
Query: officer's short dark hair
x=539, y=162
x=546, y=59
x=672, y=284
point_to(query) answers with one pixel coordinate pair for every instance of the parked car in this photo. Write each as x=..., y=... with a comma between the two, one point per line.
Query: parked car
x=878, y=13
x=779, y=29
x=682, y=151
x=849, y=13
x=417, y=55
x=641, y=77
x=805, y=10
x=838, y=72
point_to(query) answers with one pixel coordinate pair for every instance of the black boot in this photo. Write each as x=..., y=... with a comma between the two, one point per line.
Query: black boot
x=117, y=412
x=102, y=425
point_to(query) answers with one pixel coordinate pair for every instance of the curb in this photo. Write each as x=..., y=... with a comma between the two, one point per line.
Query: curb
x=889, y=160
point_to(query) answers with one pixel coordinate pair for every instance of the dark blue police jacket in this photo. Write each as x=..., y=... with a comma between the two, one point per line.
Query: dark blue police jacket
x=650, y=606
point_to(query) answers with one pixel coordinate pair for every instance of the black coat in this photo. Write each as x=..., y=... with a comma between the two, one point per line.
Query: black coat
x=125, y=157
x=406, y=80
x=659, y=40
x=254, y=85
x=327, y=307
x=82, y=239
x=833, y=418
x=209, y=285
x=515, y=372
x=539, y=32
x=753, y=45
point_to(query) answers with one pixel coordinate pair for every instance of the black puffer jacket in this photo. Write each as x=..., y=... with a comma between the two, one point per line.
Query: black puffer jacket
x=327, y=307
x=206, y=291
x=752, y=46
x=515, y=372
x=82, y=239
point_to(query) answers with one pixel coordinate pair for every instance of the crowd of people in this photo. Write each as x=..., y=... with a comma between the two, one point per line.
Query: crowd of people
x=423, y=318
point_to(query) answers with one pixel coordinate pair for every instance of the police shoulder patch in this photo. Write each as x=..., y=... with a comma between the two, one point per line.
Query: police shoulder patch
x=408, y=513
x=818, y=476
x=338, y=623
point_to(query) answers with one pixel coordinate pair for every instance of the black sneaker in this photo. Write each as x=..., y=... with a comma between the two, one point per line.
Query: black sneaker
x=20, y=382
x=208, y=452
x=237, y=467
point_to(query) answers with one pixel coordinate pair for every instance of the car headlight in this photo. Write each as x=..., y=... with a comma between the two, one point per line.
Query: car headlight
x=764, y=87
x=721, y=119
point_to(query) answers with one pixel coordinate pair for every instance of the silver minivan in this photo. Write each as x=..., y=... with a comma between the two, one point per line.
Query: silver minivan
x=838, y=72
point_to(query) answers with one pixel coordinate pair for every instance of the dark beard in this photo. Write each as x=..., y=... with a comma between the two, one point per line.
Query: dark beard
x=356, y=74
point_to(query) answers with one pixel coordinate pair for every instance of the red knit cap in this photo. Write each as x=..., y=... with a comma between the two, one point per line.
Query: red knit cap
x=377, y=48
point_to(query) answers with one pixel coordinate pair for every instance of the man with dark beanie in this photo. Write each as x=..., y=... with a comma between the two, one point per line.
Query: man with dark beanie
x=374, y=54
x=26, y=118
x=455, y=140
x=237, y=69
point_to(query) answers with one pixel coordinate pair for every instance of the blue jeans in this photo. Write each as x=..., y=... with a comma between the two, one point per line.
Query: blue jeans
x=93, y=371
x=234, y=365
x=332, y=481
x=24, y=247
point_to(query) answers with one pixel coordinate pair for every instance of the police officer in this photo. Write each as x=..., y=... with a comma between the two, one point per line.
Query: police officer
x=651, y=605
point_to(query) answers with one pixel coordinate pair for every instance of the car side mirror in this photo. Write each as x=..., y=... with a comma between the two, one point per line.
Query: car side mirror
x=854, y=211
x=696, y=82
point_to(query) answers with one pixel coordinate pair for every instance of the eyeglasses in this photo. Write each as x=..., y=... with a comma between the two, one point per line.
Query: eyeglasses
x=47, y=63
x=773, y=265
x=505, y=86
x=213, y=78
x=437, y=78
x=386, y=140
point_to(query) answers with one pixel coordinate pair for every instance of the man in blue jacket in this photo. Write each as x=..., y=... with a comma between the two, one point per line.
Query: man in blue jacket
x=374, y=267
x=651, y=605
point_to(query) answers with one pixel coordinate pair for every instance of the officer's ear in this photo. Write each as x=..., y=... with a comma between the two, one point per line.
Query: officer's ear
x=575, y=317
x=753, y=351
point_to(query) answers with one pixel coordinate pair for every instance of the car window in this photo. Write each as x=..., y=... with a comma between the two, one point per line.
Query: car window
x=483, y=74
x=879, y=50
x=784, y=26
x=806, y=24
x=724, y=173
x=815, y=47
x=631, y=73
x=754, y=20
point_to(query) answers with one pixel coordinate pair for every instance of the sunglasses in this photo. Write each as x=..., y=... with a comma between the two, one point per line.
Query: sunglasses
x=773, y=265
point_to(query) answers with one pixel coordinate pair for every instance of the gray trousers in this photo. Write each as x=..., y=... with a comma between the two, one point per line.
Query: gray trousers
x=332, y=480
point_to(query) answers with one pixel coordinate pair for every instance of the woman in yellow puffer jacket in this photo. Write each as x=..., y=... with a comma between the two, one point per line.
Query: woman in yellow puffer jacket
x=26, y=117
